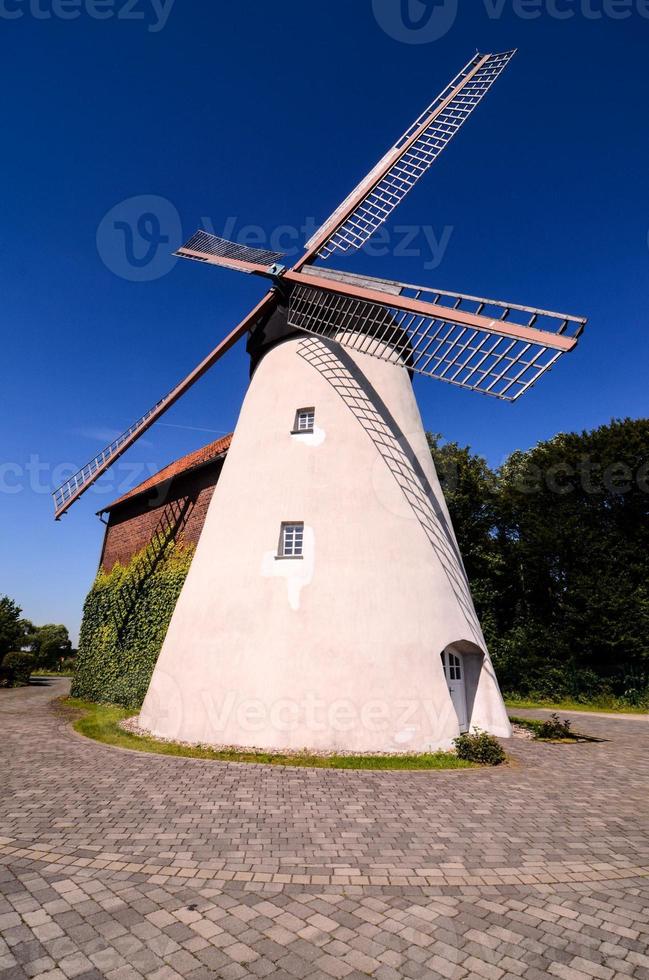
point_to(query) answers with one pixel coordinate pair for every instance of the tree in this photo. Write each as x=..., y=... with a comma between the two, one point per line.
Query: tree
x=556, y=548
x=48, y=644
x=573, y=531
x=12, y=627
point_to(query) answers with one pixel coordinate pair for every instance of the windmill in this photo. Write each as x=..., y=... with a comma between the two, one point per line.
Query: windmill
x=327, y=604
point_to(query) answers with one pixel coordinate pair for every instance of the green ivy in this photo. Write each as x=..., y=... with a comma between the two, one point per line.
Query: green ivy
x=125, y=620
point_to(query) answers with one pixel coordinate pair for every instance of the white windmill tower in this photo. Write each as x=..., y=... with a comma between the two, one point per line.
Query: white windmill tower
x=327, y=605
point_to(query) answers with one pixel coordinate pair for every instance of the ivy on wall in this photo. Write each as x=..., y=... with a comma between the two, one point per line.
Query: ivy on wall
x=125, y=620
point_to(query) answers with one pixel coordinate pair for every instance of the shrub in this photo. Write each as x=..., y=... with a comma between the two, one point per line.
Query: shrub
x=480, y=747
x=555, y=728
x=17, y=669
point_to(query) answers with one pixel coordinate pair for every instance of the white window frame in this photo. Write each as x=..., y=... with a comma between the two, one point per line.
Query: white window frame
x=453, y=666
x=291, y=538
x=298, y=428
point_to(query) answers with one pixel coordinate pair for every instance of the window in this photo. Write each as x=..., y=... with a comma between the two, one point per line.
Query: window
x=304, y=420
x=452, y=665
x=291, y=541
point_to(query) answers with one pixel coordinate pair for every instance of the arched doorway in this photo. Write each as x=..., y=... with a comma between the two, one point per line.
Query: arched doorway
x=454, y=672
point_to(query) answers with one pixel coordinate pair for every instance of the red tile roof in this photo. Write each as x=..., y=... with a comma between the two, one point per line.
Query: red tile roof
x=183, y=465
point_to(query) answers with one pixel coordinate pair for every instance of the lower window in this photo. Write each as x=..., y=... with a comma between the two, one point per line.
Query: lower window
x=291, y=540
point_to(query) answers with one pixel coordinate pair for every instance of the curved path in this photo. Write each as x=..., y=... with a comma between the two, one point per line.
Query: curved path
x=125, y=865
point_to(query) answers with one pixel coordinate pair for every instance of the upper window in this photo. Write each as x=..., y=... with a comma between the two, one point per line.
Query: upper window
x=291, y=541
x=304, y=420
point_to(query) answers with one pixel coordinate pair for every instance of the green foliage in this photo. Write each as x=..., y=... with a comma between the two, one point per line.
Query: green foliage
x=480, y=747
x=16, y=669
x=602, y=703
x=125, y=619
x=556, y=547
x=573, y=513
x=64, y=667
x=13, y=629
x=552, y=729
x=49, y=644
x=555, y=728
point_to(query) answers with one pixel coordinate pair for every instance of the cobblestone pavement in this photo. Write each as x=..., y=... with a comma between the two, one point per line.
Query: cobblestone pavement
x=121, y=865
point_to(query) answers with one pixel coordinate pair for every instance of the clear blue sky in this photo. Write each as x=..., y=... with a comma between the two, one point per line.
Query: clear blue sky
x=268, y=113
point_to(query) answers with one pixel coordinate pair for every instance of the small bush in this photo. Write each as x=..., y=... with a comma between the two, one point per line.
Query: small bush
x=555, y=728
x=480, y=747
x=17, y=669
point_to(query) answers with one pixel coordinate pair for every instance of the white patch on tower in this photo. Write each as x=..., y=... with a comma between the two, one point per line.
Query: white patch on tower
x=315, y=438
x=298, y=573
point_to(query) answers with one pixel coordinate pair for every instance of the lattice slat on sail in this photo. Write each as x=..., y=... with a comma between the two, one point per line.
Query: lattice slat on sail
x=73, y=487
x=203, y=247
x=472, y=357
x=512, y=314
x=414, y=153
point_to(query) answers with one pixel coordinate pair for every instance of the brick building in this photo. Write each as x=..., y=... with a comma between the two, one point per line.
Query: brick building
x=171, y=505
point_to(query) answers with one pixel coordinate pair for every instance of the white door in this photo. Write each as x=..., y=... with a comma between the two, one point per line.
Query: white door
x=454, y=672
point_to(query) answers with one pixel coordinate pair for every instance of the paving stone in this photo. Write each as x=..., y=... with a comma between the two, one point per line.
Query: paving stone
x=40, y=965
x=141, y=866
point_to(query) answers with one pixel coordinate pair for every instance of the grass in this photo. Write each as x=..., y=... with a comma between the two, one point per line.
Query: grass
x=101, y=723
x=536, y=726
x=53, y=673
x=608, y=706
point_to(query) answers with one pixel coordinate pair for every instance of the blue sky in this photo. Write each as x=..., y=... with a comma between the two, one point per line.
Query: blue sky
x=263, y=114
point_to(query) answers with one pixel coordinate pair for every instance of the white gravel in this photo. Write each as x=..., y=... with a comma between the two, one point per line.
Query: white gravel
x=131, y=725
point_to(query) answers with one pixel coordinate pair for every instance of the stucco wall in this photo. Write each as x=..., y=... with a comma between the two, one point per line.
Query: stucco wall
x=339, y=650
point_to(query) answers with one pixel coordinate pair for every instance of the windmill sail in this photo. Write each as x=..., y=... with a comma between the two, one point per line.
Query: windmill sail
x=77, y=485
x=484, y=345
x=203, y=247
x=372, y=202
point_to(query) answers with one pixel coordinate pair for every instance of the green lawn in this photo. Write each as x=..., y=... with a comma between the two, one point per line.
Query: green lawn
x=52, y=673
x=100, y=722
x=608, y=707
